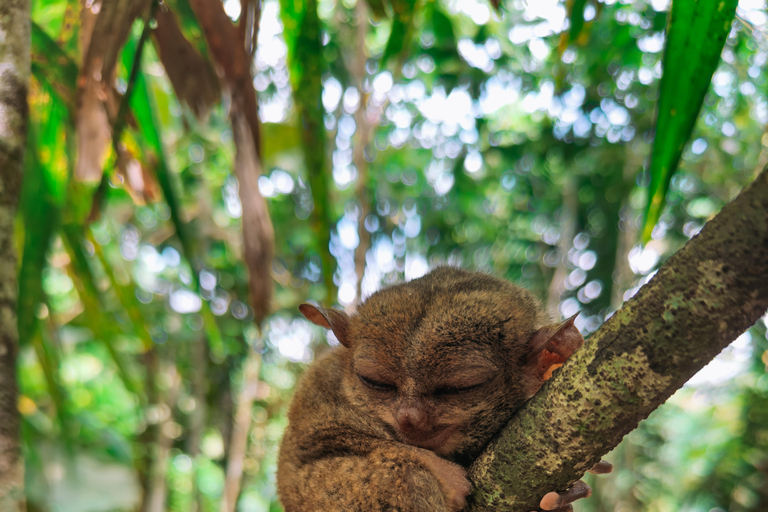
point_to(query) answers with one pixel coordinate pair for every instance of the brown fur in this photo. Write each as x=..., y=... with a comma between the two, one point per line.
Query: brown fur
x=431, y=367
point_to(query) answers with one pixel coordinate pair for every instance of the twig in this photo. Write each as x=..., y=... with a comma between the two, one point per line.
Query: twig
x=157, y=491
x=242, y=425
x=199, y=359
x=363, y=135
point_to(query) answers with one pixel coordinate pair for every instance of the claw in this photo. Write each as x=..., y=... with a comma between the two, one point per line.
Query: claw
x=601, y=468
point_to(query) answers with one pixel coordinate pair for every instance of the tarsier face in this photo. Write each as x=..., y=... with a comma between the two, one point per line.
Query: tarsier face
x=443, y=361
x=427, y=405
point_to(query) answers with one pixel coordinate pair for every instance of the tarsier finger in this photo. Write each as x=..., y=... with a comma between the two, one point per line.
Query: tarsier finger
x=554, y=500
x=601, y=468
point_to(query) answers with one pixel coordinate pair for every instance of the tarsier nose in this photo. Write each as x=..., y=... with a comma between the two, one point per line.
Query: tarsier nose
x=411, y=418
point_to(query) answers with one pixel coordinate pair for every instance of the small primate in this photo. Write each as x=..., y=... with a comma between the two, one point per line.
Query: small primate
x=426, y=373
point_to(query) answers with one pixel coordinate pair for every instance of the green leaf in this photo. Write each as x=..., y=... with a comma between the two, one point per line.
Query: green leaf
x=442, y=27
x=576, y=16
x=695, y=37
x=449, y=66
x=379, y=8
x=50, y=362
x=42, y=198
x=53, y=67
x=404, y=13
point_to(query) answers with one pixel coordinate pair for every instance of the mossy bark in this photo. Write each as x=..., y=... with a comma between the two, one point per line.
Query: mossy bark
x=700, y=300
x=14, y=79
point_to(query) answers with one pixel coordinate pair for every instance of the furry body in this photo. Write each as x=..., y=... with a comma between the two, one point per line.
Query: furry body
x=426, y=373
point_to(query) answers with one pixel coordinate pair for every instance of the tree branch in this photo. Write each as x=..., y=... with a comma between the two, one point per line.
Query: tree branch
x=700, y=300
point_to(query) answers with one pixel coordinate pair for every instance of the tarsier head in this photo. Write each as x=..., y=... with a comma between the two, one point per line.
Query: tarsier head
x=444, y=361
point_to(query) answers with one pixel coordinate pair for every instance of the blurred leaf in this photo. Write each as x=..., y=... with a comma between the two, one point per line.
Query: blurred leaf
x=576, y=16
x=444, y=49
x=380, y=8
x=189, y=25
x=301, y=30
x=403, y=17
x=280, y=140
x=69, y=34
x=178, y=57
x=228, y=49
x=440, y=23
x=222, y=37
x=48, y=357
x=95, y=97
x=695, y=37
x=258, y=233
x=52, y=66
x=42, y=198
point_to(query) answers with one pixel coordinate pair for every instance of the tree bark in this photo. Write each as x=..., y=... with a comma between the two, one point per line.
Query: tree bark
x=14, y=79
x=700, y=300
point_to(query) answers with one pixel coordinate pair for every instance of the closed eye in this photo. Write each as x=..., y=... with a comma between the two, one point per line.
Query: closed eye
x=455, y=390
x=375, y=384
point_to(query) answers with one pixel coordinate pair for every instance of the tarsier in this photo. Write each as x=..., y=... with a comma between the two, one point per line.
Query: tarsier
x=426, y=373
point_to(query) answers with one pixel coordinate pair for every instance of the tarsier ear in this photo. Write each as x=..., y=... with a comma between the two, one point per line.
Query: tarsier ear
x=551, y=346
x=333, y=319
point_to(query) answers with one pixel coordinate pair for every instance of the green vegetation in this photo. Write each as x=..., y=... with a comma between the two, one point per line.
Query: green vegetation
x=515, y=139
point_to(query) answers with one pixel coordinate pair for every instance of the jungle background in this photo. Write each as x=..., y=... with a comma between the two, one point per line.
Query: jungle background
x=195, y=170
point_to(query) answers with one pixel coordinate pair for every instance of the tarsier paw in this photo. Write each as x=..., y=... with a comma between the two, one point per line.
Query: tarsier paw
x=452, y=478
x=560, y=501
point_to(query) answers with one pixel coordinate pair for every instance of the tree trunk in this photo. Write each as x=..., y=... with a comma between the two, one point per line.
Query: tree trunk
x=14, y=77
x=700, y=300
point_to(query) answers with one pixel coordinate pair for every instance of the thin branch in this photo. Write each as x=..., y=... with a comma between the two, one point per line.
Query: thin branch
x=240, y=429
x=199, y=357
x=157, y=492
x=362, y=139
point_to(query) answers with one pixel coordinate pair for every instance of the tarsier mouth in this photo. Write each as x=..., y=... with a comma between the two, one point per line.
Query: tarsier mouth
x=429, y=440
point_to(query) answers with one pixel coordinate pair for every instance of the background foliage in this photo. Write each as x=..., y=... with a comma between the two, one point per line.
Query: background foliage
x=390, y=136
